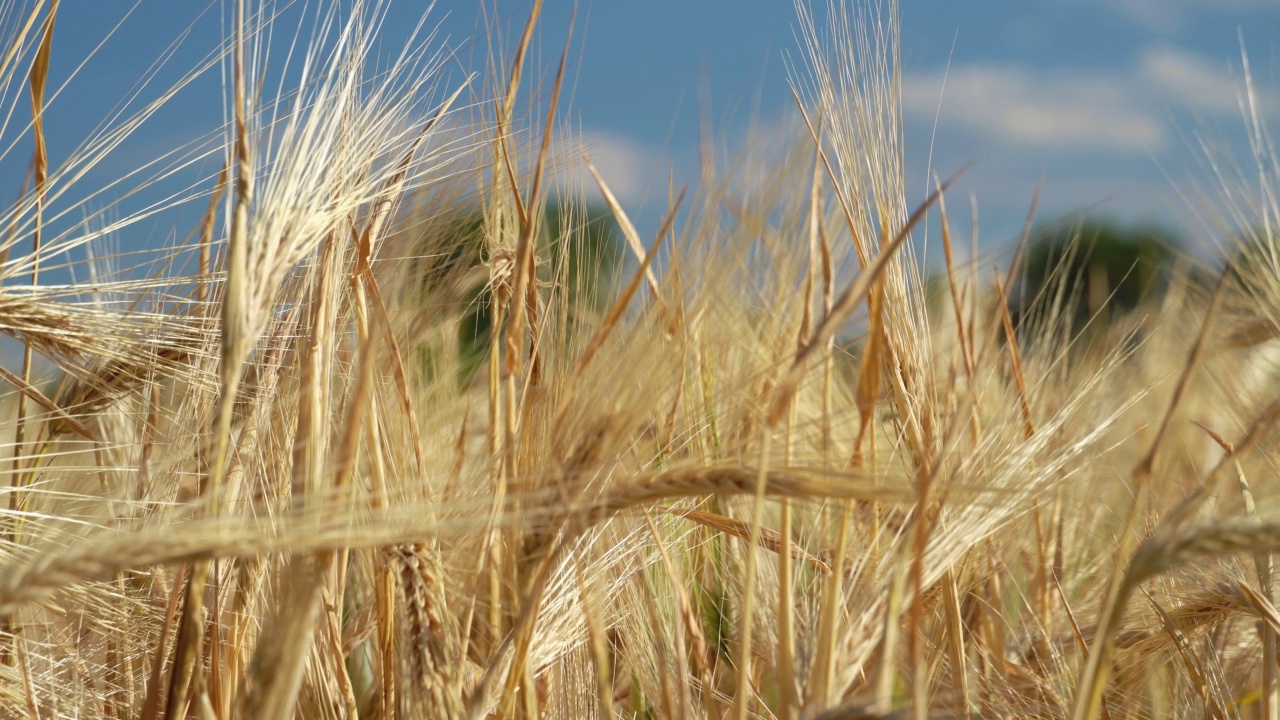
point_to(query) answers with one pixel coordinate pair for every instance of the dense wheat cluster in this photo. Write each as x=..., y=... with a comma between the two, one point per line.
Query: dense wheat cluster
x=758, y=472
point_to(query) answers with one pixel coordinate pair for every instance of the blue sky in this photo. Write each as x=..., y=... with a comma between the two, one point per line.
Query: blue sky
x=1101, y=96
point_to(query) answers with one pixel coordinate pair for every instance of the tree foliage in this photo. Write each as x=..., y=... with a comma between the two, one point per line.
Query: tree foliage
x=581, y=245
x=1092, y=271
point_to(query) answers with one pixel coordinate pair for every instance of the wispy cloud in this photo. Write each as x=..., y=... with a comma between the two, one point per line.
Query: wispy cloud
x=1059, y=109
x=1125, y=110
x=1180, y=78
x=629, y=167
x=1169, y=16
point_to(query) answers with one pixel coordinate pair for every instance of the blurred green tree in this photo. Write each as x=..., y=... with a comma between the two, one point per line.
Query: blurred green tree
x=1091, y=271
x=579, y=248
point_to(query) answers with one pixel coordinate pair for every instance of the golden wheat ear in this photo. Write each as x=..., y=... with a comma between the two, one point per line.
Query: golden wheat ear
x=379, y=455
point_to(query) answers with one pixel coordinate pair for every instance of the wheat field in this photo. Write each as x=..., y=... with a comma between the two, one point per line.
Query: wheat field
x=772, y=466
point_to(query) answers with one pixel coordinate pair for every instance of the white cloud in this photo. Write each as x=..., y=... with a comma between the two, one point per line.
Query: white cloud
x=628, y=167
x=1071, y=109
x=1161, y=16
x=1191, y=81
x=1168, y=16
x=1125, y=110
